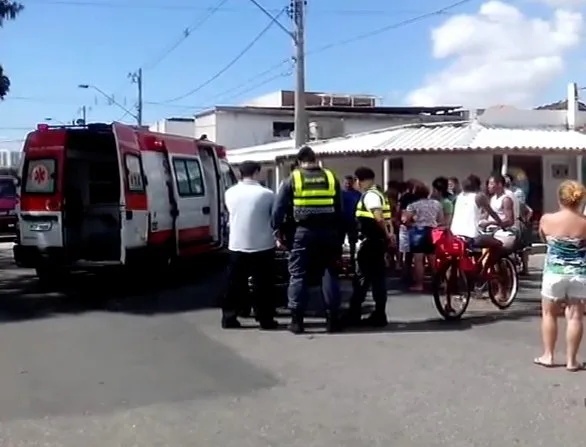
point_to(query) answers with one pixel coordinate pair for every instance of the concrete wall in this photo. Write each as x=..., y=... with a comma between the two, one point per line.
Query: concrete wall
x=237, y=129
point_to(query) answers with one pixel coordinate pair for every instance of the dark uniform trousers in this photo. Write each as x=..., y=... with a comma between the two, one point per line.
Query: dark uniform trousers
x=260, y=266
x=314, y=255
x=370, y=273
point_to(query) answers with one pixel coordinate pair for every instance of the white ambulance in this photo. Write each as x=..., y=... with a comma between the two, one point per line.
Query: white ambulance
x=113, y=194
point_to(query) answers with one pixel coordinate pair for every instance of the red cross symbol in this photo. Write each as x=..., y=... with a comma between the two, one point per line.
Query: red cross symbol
x=40, y=175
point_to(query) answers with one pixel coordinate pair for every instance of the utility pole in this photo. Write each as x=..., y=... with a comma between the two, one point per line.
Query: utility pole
x=301, y=122
x=84, y=114
x=136, y=78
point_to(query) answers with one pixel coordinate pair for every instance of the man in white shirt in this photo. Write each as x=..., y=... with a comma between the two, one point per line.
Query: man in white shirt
x=252, y=248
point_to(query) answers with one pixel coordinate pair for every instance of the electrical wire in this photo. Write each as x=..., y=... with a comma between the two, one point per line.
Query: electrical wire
x=187, y=32
x=187, y=7
x=330, y=46
x=229, y=65
x=235, y=88
x=440, y=11
x=391, y=27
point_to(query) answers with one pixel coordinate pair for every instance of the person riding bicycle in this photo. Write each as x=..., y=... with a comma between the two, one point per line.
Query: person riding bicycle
x=525, y=214
x=506, y=206
x=467, y=217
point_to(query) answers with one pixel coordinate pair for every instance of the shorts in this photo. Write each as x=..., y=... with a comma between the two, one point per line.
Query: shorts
x=422, y=241
x=404, y=244
x=557, y=287
x=507, y=237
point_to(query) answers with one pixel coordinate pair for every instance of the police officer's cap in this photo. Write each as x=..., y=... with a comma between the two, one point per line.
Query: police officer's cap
x=306, y=154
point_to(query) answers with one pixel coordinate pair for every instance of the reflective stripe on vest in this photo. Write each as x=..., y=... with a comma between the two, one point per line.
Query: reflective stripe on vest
x=362, y=211
x=310, y=191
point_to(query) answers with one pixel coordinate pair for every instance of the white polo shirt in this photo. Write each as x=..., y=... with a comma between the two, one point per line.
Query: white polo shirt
x=249, y=206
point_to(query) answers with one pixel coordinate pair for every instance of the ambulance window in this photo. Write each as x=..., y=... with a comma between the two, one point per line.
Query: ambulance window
x=40, y=176
x=227, y=175
x=189, y=177
x=134, y=173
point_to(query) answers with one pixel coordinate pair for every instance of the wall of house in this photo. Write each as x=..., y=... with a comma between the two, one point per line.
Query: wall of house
x=237, y=129
x=174, y=127
x=426, y=167
x=207, y=125
x=551, y=177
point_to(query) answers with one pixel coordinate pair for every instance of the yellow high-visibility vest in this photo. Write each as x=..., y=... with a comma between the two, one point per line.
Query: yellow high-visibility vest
x=317, y=190
x=362, y=211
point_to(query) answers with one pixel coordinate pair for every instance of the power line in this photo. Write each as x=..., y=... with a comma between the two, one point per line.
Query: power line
x=186, y=34
x=187, y=7
x=393, y=26
x=280, y=64
x=229, y=65
x=330, y=46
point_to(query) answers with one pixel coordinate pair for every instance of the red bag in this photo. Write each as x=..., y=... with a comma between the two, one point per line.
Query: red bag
x=447, y=244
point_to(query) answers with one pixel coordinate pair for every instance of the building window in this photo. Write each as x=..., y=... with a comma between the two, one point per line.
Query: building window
x=188, y=177
x=282, y=129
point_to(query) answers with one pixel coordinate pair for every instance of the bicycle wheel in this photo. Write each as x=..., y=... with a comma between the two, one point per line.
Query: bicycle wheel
x=507, y=266
x=452, y=280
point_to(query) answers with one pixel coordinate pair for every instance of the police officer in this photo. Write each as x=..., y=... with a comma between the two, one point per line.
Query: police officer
x=373, y=215
x=312, y=196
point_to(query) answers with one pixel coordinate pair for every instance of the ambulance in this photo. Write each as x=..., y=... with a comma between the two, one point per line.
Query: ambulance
x=114, y=194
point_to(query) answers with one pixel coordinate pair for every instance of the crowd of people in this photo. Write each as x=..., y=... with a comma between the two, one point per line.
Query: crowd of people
x=313, y=216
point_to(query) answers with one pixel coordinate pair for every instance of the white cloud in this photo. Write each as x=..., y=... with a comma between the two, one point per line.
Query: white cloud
x=569, y=4
x=498, y=56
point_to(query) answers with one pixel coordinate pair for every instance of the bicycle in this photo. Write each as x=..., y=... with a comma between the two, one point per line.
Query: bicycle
x=463, y=268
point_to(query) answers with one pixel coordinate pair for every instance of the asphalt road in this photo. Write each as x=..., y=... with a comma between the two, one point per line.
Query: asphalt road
x=96, y=367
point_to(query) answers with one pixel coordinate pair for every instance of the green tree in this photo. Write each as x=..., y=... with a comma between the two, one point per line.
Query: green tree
x=8, y=11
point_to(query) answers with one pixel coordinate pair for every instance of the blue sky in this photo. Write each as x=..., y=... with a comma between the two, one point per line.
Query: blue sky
x=56, y=45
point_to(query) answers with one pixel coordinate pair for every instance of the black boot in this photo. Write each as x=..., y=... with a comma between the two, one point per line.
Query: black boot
x=352, y=318
x=296, y=326
x=333, y=323
x=230, y=322
x=377, y=319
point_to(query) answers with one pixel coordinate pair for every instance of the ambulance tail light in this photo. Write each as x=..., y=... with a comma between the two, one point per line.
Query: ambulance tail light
x=53, y=205
x=153, y=143
x=42, y=127
x=221, y=151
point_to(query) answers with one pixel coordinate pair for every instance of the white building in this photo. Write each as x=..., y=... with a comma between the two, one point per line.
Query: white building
x=184, y=127
x=540, y=148
x=242, y=126
x=9, y=159
x=270, y=118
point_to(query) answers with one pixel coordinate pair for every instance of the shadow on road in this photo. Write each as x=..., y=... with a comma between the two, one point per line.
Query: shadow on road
x=188, y=287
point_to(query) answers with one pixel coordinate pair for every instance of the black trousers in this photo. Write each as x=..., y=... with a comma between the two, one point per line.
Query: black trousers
x=260, y=267
x=371, y=273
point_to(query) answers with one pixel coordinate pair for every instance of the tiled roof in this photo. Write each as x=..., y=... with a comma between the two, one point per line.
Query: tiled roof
x=426, y=137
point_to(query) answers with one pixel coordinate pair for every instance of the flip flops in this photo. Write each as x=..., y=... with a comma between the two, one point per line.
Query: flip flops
x=537, y=361
x=579, y=367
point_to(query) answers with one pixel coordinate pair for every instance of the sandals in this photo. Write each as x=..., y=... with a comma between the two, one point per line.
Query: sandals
x=537, y=361
x=579, y=367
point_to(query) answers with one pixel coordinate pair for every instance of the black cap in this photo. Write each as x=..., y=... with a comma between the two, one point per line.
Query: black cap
x=306, y=155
